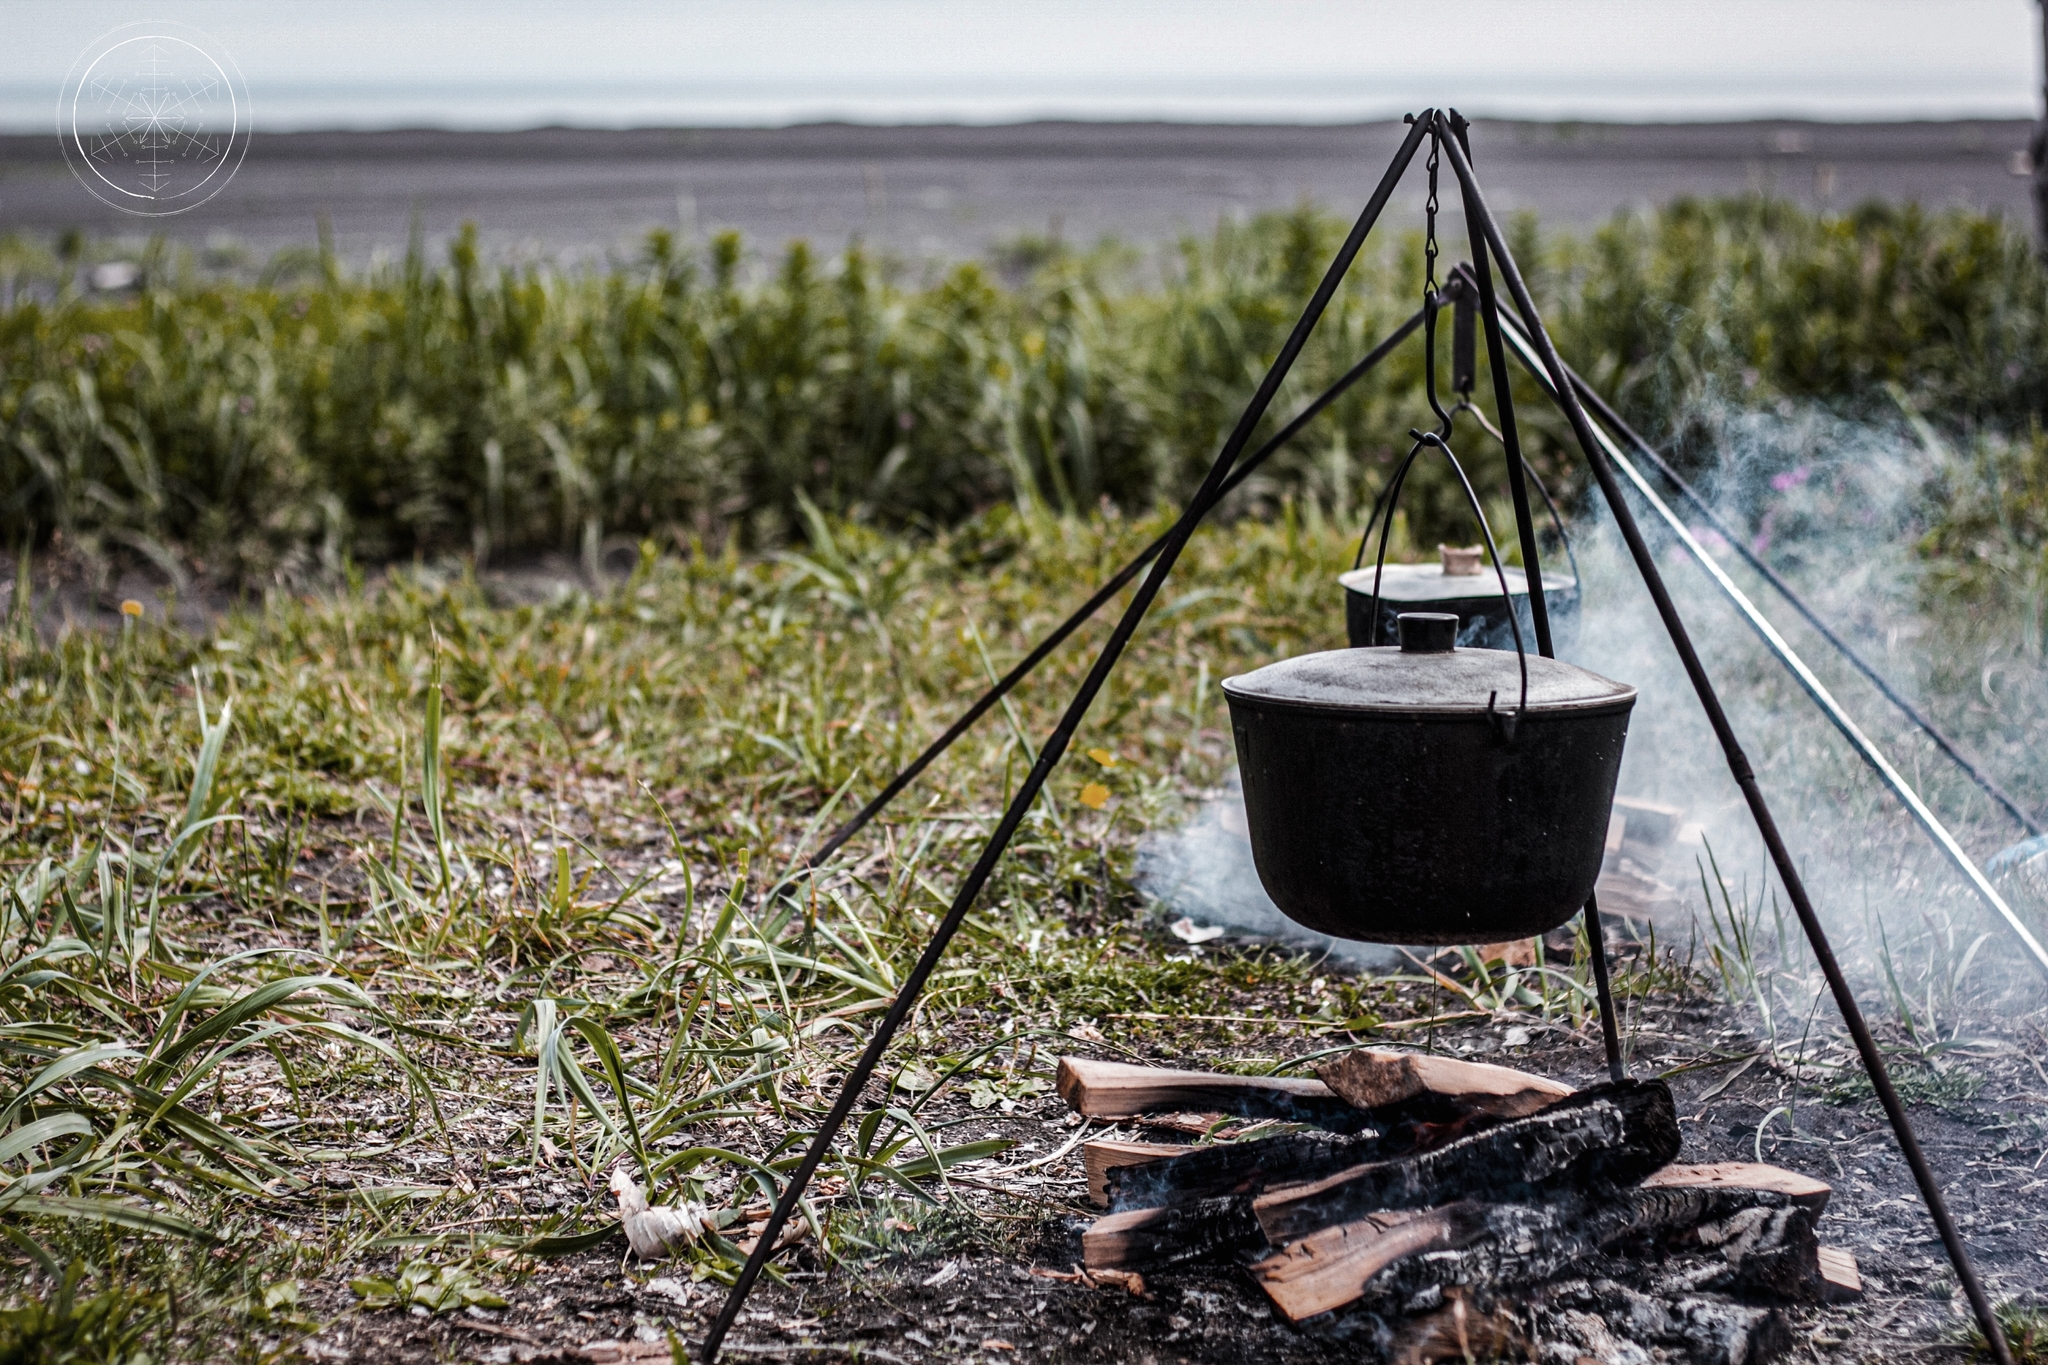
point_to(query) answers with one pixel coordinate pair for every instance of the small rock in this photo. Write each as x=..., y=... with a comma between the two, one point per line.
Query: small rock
x=674, y=1290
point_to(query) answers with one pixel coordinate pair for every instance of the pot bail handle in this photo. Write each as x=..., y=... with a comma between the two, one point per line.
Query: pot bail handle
x=1504, y=723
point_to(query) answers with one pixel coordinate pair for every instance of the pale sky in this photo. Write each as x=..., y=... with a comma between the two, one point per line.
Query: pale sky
x=519, y=63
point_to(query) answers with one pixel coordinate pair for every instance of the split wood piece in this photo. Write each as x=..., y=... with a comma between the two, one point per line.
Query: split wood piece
x=1228, y=1168
x=1754, y=1240
x=1219, y=1126
x=1628, y=893
x=1744, y=1175
x=1332, y=1266
x=1371, y=1078
x=1178, y=1232
x=1117, y=1090
x=1101, y=1157
x=1840, y=1279
x=1649, y=822
x=1608, y=1134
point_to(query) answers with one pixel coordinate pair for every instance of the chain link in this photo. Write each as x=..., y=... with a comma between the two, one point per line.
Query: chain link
x=1429, y=247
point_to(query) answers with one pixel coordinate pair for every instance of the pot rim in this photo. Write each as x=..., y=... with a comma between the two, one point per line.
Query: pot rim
x=1611, y=698
x=1590, y=707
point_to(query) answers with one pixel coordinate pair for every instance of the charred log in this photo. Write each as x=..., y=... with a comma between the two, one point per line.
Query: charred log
x=1234, y=1168
x=1723, y=1239
x=1597, y=1139
x=1202, y=1229
x=1598, y=1316
x=1600, y=1138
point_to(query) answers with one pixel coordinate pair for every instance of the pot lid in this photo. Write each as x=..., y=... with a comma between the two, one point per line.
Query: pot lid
x=1390, y=680
x=1429, y=583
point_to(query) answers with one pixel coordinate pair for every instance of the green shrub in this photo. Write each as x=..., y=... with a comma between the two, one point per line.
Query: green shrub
x=274, y=426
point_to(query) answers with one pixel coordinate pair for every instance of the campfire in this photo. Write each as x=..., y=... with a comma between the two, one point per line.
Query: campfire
x=1454, y=1210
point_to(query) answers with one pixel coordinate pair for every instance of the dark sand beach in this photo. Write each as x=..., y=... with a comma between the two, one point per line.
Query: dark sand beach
x=947, y=192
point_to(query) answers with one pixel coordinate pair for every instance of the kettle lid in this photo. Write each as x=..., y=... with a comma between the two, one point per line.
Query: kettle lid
x=1389, y=680
x=1429, y=583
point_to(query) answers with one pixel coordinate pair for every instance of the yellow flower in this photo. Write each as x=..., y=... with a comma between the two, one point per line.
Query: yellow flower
x=1094, y=796
x=131, y=607
x=1103, y=756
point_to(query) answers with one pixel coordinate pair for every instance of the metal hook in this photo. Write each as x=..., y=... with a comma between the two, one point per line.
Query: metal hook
x=1432, y=299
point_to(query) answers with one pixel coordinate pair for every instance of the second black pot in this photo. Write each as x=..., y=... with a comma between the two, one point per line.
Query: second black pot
x=1387, y=800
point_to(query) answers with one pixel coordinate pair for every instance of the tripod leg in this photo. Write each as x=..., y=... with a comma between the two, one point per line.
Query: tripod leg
x=1603, y=985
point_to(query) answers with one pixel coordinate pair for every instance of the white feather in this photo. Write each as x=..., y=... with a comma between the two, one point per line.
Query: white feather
x=661, y=1230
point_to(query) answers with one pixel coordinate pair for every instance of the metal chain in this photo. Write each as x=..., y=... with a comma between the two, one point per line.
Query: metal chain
x=1430, y=299
x=1429, y=247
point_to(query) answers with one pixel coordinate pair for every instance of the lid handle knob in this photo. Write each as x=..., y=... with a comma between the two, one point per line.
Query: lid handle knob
x=1462, y=561
x=1426, y=632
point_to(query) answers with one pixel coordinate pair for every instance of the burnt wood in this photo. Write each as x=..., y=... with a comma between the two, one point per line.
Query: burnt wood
x=1103, y=1156
x=1202, y=1228
x=1597, y=1316
x=1233, y=1168
x=1719, y=1238
x=1744, y=1175
x=1599, y=1138
x=1753, y=1241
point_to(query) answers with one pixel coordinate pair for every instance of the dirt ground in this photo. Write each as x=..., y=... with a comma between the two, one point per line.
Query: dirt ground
x=967, y=1284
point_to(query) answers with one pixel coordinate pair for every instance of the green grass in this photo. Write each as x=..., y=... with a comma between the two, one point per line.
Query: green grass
x=291, y=904
x=2026, y=1333
x=275, y=426
x=394, y=917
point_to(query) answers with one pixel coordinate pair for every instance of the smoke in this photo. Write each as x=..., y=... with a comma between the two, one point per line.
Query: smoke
x=1203, y=871
x=1840, y=509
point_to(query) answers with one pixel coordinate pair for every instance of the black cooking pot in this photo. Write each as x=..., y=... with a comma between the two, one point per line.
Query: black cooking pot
x=1481, y=611
x=1418, y=795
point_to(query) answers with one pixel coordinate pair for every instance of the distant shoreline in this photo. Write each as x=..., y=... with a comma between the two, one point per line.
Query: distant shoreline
x=1034, y=135
x=937, y=192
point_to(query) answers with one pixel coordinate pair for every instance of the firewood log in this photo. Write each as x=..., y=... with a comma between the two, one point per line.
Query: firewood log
x=1421, y=1102
x=1755, y=1240
x=1608, y=1135
x=1197, y=1229
x=1371, y=1078
x=1176, y=1175
x=1101, y=1157
x=1841, y=1281
x=1699, y=1328
x=1601, y=1137
x=1116, y=1090
x=1332, y=1266
x=1744, y=1175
